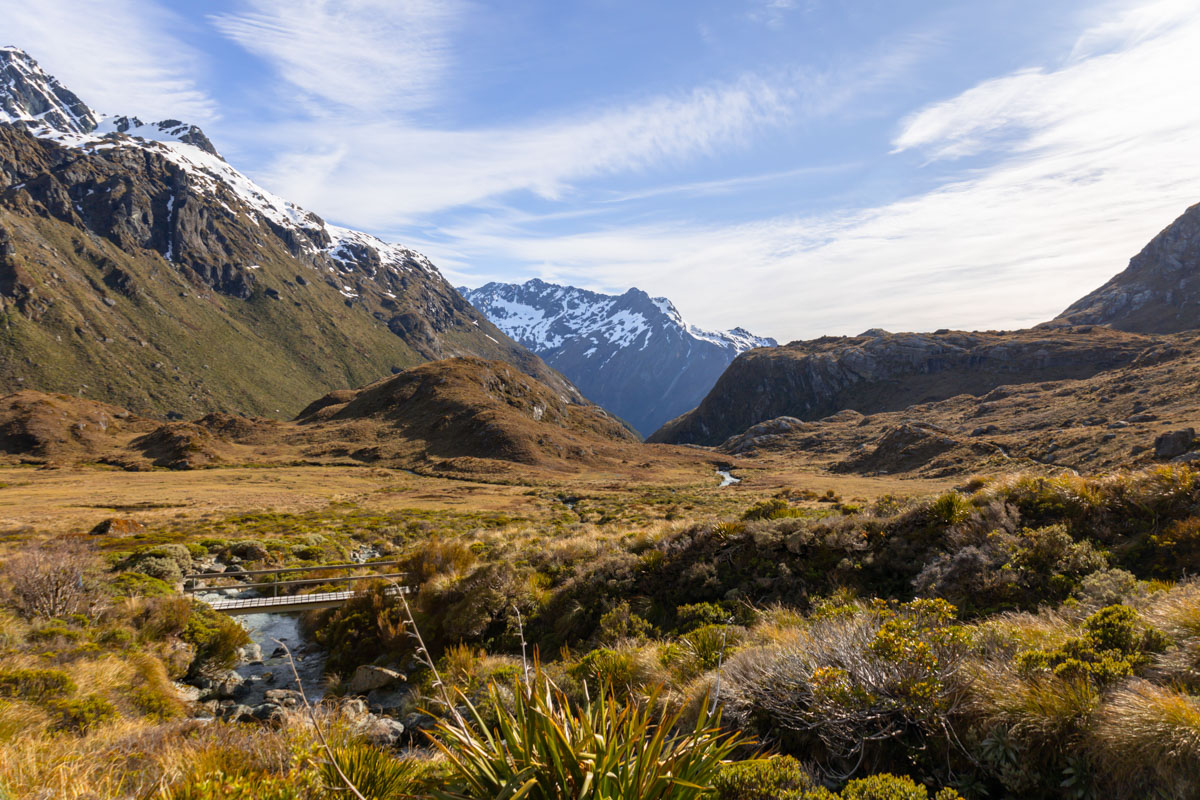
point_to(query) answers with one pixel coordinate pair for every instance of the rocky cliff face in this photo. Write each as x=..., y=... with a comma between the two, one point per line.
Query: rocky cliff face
x=138, y=267
x=632, y=354
x=1158, y=293
x=882, y=371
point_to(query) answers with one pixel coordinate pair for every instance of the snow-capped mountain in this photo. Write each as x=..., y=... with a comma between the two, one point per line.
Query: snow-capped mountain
x=633, y=354
x=128, y=248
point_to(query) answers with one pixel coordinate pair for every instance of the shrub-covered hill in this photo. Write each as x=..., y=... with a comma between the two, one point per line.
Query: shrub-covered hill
x=456, y=415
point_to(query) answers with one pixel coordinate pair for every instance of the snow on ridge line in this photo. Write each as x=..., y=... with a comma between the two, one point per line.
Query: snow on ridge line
x=544, y=315
x=211, y=170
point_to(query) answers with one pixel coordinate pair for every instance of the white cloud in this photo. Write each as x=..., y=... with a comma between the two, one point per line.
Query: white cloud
x=375, y=56
x=1089, y=161
x=374, y=173
x=119, y=56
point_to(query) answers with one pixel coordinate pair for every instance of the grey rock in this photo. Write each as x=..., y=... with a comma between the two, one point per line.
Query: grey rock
x=251, y=654
x=383, y=731
x=367, y=678
x=1174, y=443
x=387, y=699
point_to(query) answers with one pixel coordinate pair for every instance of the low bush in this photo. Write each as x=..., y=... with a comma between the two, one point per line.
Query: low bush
x=776, y=778
x=1114, y=646
x=217, y=639
x=79, y=715
x=38, y=685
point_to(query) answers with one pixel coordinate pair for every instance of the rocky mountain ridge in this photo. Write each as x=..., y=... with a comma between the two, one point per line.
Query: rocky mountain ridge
x=1159, y=292
x=631, y=353
x=882, y=371
x=138, y=267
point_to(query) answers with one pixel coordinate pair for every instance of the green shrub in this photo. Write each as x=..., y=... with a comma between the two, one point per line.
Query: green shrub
x=777, y=778
x=891, y=787
x=774, y=508
x=38, y=685
x=139, y=584
x=697, y=615
x=82, y=714
x=1113, y=646
x=217, y=639
x=163, y=569
x=620, y=623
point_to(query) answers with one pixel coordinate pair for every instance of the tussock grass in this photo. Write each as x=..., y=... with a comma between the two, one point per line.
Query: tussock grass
x=1148, y=735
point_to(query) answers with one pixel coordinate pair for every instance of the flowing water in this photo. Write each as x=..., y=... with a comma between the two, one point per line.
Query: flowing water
x=727, y=478
x=275, y=672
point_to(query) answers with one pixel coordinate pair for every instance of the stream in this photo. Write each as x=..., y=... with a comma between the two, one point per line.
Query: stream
x=727, y=478
x=274, y=672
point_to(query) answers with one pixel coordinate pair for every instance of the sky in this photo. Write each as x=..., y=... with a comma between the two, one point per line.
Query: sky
x=796, y=167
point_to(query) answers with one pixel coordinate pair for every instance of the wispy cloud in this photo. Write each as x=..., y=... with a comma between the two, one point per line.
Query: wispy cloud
x=375, y=56
x=119, y=56
x=379, y=172
x=1087, y=162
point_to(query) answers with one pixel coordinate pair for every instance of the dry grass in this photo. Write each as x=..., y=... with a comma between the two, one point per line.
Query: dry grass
x=1149, y=735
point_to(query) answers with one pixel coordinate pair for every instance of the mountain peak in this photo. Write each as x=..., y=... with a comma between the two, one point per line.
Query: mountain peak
x=31, y=96
x=631, y=353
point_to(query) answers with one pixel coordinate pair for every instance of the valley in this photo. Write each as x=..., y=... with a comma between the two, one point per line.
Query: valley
x=562, y=544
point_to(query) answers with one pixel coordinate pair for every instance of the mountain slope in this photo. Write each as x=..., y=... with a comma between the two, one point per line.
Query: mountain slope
x=1158, y=293
x=882, y=371
x=138, y=267
x=457, y=415
x=632, y=354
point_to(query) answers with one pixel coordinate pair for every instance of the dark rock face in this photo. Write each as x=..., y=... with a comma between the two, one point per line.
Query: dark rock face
x=30, y=94
x=632, y=354
x=887, y=372
x=1158, y=293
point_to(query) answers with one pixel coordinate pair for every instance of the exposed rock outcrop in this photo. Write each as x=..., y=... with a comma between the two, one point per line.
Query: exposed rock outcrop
x=1158, y=293
x=887, y=372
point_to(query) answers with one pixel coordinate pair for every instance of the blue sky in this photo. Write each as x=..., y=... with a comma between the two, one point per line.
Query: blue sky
x=799, y=167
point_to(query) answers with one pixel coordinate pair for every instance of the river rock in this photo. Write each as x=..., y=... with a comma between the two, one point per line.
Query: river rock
x=271, y=714
x=287, y=698
x=383, y=731
x=251, y=654
x=228, y=686
x=387, y=699
x=237, y=713
x=367, y=678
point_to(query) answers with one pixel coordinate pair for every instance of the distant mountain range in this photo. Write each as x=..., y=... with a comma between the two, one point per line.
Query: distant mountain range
x=139, y=268
x=633, y=354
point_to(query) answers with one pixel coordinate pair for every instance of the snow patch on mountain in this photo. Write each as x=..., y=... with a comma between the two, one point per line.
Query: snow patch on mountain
x=36, y=100
x=543, y=316
x=631, y=353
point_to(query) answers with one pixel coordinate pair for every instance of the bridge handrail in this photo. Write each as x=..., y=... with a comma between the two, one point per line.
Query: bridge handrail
x=301, y=582
x=365, y=564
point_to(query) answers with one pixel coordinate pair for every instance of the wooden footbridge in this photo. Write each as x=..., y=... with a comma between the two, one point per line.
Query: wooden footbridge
x=278, y=603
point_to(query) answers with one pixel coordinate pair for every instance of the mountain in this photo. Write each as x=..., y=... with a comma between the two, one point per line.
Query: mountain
x=1135, y=415
x=454, y=416
x=139, y=268
x=1158, y=293
x=1110, y=329
x=633, y=354
x=880, y=371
